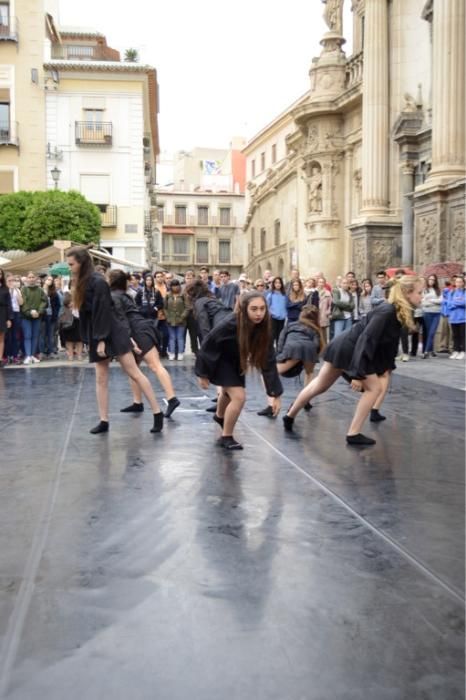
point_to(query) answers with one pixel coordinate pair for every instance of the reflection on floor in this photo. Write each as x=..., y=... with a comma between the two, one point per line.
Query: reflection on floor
x=160, y=567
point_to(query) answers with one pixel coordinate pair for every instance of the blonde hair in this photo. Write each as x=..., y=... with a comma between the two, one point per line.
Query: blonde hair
x=398, y=293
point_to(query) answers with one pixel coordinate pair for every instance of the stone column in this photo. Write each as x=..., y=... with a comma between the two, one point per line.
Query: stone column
x=375, y=127
x=448, y=89
x=407, y=233
x=348, y=211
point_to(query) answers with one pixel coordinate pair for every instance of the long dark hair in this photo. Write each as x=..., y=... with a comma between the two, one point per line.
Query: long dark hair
x=2, y=278
x=86, y=269
x=436, y=285
x=296, y=296
x=282, y=287
x=309, y=316
x=363, y=293
x=254, y=339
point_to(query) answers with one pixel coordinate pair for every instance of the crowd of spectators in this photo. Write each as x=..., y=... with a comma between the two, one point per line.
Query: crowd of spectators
x=38, y=321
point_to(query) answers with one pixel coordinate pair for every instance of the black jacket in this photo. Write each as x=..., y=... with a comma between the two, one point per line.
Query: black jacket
x=218, y=359
x=208, y=312
x=95, y=314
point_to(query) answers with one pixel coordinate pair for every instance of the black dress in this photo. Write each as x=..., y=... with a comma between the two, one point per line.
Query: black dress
x=6, y=310
x=369, y=347
x=218, y=359
x=298, y=342
x=143, y=330
x=98, y=321
x=208, y=312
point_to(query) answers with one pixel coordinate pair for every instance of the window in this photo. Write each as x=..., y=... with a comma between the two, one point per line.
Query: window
x=253, y=239
x=274, y=153
x=253, y=168
x=262, y=161
x=224, y=216
x=263, y=239
x=276, y=232
x=160, y=213
x=224, y=251
x=180, y=247
x=4, y=15
x=180, y=216
x=165, y=246
x=202, y=252
x=4, y=121
x=203, y=216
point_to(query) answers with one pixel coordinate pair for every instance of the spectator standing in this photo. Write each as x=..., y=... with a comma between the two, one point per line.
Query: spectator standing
x=148, y=299
x=311, y=292
x=176, y=312
x=343, y=306
x=355, y=290
x=295, y=300
x=6, y=313
x=68, y=326
x=228, y=292
x=161, y=287
x=325, y=307
x=32, y=309
x=294, y=277
x=457, y=317
x=12, y=339
x=378, y=294
x=49, y=319
x=445, y=328
x=191, y=325
x=365, y=298
x=431, y=308
x=277, y=303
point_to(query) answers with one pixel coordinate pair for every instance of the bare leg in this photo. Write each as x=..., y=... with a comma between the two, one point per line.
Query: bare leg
x=128, y=364
x=372, y=388
x=308, y=370
x=152, y=359
x=79, y=350
x=283, y=367
x=324, y=380
x=222, y=402
x=136, y=391
x=69, y=350
x=101, y=388
x=237, y=398
x=385, y=383
x=2, y=345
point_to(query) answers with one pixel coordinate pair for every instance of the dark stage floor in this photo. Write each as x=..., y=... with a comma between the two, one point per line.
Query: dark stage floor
x=144, y=567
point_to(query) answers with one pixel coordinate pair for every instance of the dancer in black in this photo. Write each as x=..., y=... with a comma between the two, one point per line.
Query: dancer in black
x=143, y=332
x=207, y=309
x=299, y=346
x=105, y=334
x=364, y=355
x=241, y=341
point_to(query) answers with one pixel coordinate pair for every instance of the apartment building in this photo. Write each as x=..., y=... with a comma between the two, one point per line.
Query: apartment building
x=102, y=135
x=22, y=96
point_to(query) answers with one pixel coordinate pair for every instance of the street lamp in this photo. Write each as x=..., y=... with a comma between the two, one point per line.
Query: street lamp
x=55, y=173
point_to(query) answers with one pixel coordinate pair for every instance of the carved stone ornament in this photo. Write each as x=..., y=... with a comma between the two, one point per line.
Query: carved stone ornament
x=409, y=103
x=457, y=240
x=428, y=230
x=312, y=141
x=359, y=258
x=315, y=189
x=357, y=179
x=382, y=254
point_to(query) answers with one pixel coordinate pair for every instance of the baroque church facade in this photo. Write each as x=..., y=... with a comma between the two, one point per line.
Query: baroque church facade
x=367, y=169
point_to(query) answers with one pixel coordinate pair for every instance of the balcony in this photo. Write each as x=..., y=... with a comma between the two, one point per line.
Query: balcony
x=94, y=133
x=108, y=215
x=8, y=29
x=148, y=222
x=354, y=68
x=9, y=134
x=84, y=53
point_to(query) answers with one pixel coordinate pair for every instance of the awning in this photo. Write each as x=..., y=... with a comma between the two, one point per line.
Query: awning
x=177, y=230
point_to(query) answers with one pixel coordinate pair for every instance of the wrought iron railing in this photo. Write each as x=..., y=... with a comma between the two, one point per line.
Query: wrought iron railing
x=84, y=53
x=94, y=133
x=9, y=134
x=9, y=28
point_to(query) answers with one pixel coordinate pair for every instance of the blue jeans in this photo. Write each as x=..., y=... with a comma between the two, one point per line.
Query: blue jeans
x=31, y=331
x=431, y=322
x=175, y=338
x=342, y=324
x=47, y=336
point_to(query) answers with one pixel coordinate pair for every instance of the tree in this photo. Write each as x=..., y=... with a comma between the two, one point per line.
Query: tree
x=131, y=56
x=33, y=220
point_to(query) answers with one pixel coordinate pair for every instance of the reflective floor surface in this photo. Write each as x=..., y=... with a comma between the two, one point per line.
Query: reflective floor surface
x=159, y=567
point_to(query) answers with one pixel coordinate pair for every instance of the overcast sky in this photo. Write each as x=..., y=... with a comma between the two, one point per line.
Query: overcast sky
x=224, y=68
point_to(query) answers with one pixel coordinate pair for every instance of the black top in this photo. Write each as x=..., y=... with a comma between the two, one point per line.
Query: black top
x=149, y=301
x=298, y=341
x=218, y=359
x=6, y=309
x=208, y=312
x=369, y=347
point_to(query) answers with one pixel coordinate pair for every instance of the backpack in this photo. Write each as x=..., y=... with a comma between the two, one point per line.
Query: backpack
x=66, y=319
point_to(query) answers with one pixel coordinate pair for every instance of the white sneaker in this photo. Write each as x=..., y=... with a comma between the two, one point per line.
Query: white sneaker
x=454, y=355
x=35, y=360
x=171, y=356
x=405, y=358
x=27, y=361
x=180, y=356
x=460, y=356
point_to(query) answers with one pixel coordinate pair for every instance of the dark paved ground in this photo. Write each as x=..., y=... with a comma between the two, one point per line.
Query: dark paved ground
x=161, y=568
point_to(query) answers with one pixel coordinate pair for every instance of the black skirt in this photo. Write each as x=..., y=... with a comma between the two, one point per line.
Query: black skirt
x=298, y=342
x=71, y=335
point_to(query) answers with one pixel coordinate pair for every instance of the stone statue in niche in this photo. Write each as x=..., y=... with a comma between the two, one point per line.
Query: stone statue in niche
x=315, y=189
x=333, y=15
x=409, y=103
x=457, y=242
x=427, y=234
